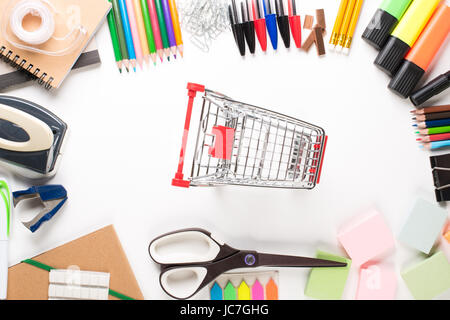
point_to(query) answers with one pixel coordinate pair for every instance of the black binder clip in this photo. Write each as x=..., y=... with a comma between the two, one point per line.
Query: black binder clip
x=441, y=176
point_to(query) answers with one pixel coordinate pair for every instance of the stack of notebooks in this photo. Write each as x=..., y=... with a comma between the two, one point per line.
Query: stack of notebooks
x=50, y=71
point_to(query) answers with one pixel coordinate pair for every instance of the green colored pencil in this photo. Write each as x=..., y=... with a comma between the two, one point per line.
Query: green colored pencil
x=115, y=39
x=120, y=33
x=436, y=130
x=163, y=28
x=149, y=30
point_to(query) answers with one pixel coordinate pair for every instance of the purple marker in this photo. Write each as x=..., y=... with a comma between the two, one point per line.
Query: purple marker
x=169, y=26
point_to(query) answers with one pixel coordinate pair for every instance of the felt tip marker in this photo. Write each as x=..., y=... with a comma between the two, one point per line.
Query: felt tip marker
x=384, y=21
x=421, y=55
x=5, y=227
x=295, y=23
x=271, y=23
x=260, y=24
x=237, y=27
x=434, y=87
x=283, y=23
x=405, y=35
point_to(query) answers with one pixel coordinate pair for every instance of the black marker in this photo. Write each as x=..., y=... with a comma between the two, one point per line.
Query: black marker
x=433, y=88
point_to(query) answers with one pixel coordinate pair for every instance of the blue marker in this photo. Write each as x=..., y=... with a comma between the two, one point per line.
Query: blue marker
x=216, y=292
x=271, y=23
x=127, y=31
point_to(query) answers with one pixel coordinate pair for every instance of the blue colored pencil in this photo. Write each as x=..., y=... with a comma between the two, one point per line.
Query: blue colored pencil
x=436, y=145
x=433, y=123
x=127, y=31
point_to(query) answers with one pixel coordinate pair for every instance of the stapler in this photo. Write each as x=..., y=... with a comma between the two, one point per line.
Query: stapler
x=52, y=198
x=31, y=138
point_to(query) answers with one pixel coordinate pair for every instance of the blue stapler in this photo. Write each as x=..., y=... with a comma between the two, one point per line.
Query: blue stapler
x=52, y=198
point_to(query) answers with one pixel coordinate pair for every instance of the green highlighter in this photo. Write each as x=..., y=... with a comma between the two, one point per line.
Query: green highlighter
x=384, y=21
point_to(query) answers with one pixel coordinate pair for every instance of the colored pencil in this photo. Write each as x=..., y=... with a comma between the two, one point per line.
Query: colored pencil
x=353, y=23
x=148, y=30
x=169, y=26
x=135, y=32
x=434, y=109
x=176, y=26
x=346, y=22
x=162, y=28
x=437, y=130
x=155, y=27
x=121, y=34
x=435, y=137
x=436, y=145
x=127, y=31
x=338, y=23
x=432, y=116
x=115, y=39
x=141, y=30
x=433, y=123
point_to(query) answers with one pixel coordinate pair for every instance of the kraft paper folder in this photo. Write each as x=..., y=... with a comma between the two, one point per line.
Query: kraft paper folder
x=98, y=251
x=56, y=68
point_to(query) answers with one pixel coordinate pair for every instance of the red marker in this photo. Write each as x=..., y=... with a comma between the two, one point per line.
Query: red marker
x=295, y=22
x=260, y=24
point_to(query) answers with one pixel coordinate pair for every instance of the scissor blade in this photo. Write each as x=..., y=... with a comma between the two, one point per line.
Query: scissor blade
x=273, y=260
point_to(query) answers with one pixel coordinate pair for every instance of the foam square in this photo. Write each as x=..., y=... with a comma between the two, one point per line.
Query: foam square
x=423, y=226
x=428, y=279
x=367, y=237
x=376, y=282
x=328, y=283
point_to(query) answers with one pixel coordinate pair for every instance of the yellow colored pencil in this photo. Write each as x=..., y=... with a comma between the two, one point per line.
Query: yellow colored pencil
x=346, y=22
x=338, y=22
x=353, y=23
x=176, y=26
x=141, y=30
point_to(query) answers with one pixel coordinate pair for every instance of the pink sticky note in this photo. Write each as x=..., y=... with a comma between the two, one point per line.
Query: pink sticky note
x=257, y=291
x=376, y=282
x=367, y=237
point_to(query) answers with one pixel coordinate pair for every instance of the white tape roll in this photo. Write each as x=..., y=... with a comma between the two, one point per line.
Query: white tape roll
x=35, y=8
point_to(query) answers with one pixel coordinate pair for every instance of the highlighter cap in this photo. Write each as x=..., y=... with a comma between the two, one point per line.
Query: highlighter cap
x=433, y=88
x=391, y=56
x=406, y=79
x=379, y=29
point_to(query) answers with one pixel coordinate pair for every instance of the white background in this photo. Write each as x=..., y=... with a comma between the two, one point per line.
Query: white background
x=125, y=139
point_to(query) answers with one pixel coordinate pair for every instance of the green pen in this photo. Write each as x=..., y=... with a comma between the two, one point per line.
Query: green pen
x=163, y=28
x=384, y=21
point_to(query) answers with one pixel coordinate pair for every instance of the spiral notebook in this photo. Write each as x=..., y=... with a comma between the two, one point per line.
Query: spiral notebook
x=10, y=77
x=50, y=71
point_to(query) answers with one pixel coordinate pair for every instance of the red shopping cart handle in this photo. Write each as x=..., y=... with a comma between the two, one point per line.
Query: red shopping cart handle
x=178, y=181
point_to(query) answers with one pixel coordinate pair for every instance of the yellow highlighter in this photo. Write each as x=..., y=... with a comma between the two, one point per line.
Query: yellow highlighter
x=338, y=22
x=405, y=35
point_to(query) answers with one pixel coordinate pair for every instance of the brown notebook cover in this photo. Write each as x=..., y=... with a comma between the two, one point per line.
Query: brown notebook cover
x=98, y=251
x=52, y=70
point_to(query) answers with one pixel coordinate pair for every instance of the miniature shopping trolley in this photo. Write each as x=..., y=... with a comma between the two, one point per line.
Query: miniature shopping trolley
x=241, y=144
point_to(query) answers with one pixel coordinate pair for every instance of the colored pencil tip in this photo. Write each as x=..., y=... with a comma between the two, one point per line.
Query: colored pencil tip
x=417, y=132
x=154, y=63
x=414, y=125
x=134, y=69
x=419, y=139
x=168, y=59
x=120, y=70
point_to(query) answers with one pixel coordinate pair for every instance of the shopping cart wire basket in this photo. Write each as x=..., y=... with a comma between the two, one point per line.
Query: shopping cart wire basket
x=241, y=144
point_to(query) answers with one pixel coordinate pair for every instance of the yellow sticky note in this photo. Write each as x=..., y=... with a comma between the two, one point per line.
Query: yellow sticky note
x=244, y=291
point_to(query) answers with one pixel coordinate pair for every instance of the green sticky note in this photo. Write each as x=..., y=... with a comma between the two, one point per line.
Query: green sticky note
x=429, y=278
x=328, y=283
x=230, y=292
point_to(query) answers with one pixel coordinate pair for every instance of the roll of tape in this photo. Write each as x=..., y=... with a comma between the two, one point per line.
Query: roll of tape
x=35, y=8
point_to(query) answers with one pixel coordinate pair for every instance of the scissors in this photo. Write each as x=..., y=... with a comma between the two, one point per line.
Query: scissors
x=190, y=259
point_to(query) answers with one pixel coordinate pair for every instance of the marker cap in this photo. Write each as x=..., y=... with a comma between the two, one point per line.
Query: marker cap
x=406, y=79
x=379, y=29
x=391, y=56
x=433, y=88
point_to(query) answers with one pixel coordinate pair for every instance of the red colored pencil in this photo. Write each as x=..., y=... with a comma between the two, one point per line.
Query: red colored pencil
x=435, y=137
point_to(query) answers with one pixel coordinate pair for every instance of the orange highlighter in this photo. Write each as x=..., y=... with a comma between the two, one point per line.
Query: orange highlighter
x=421, y=55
